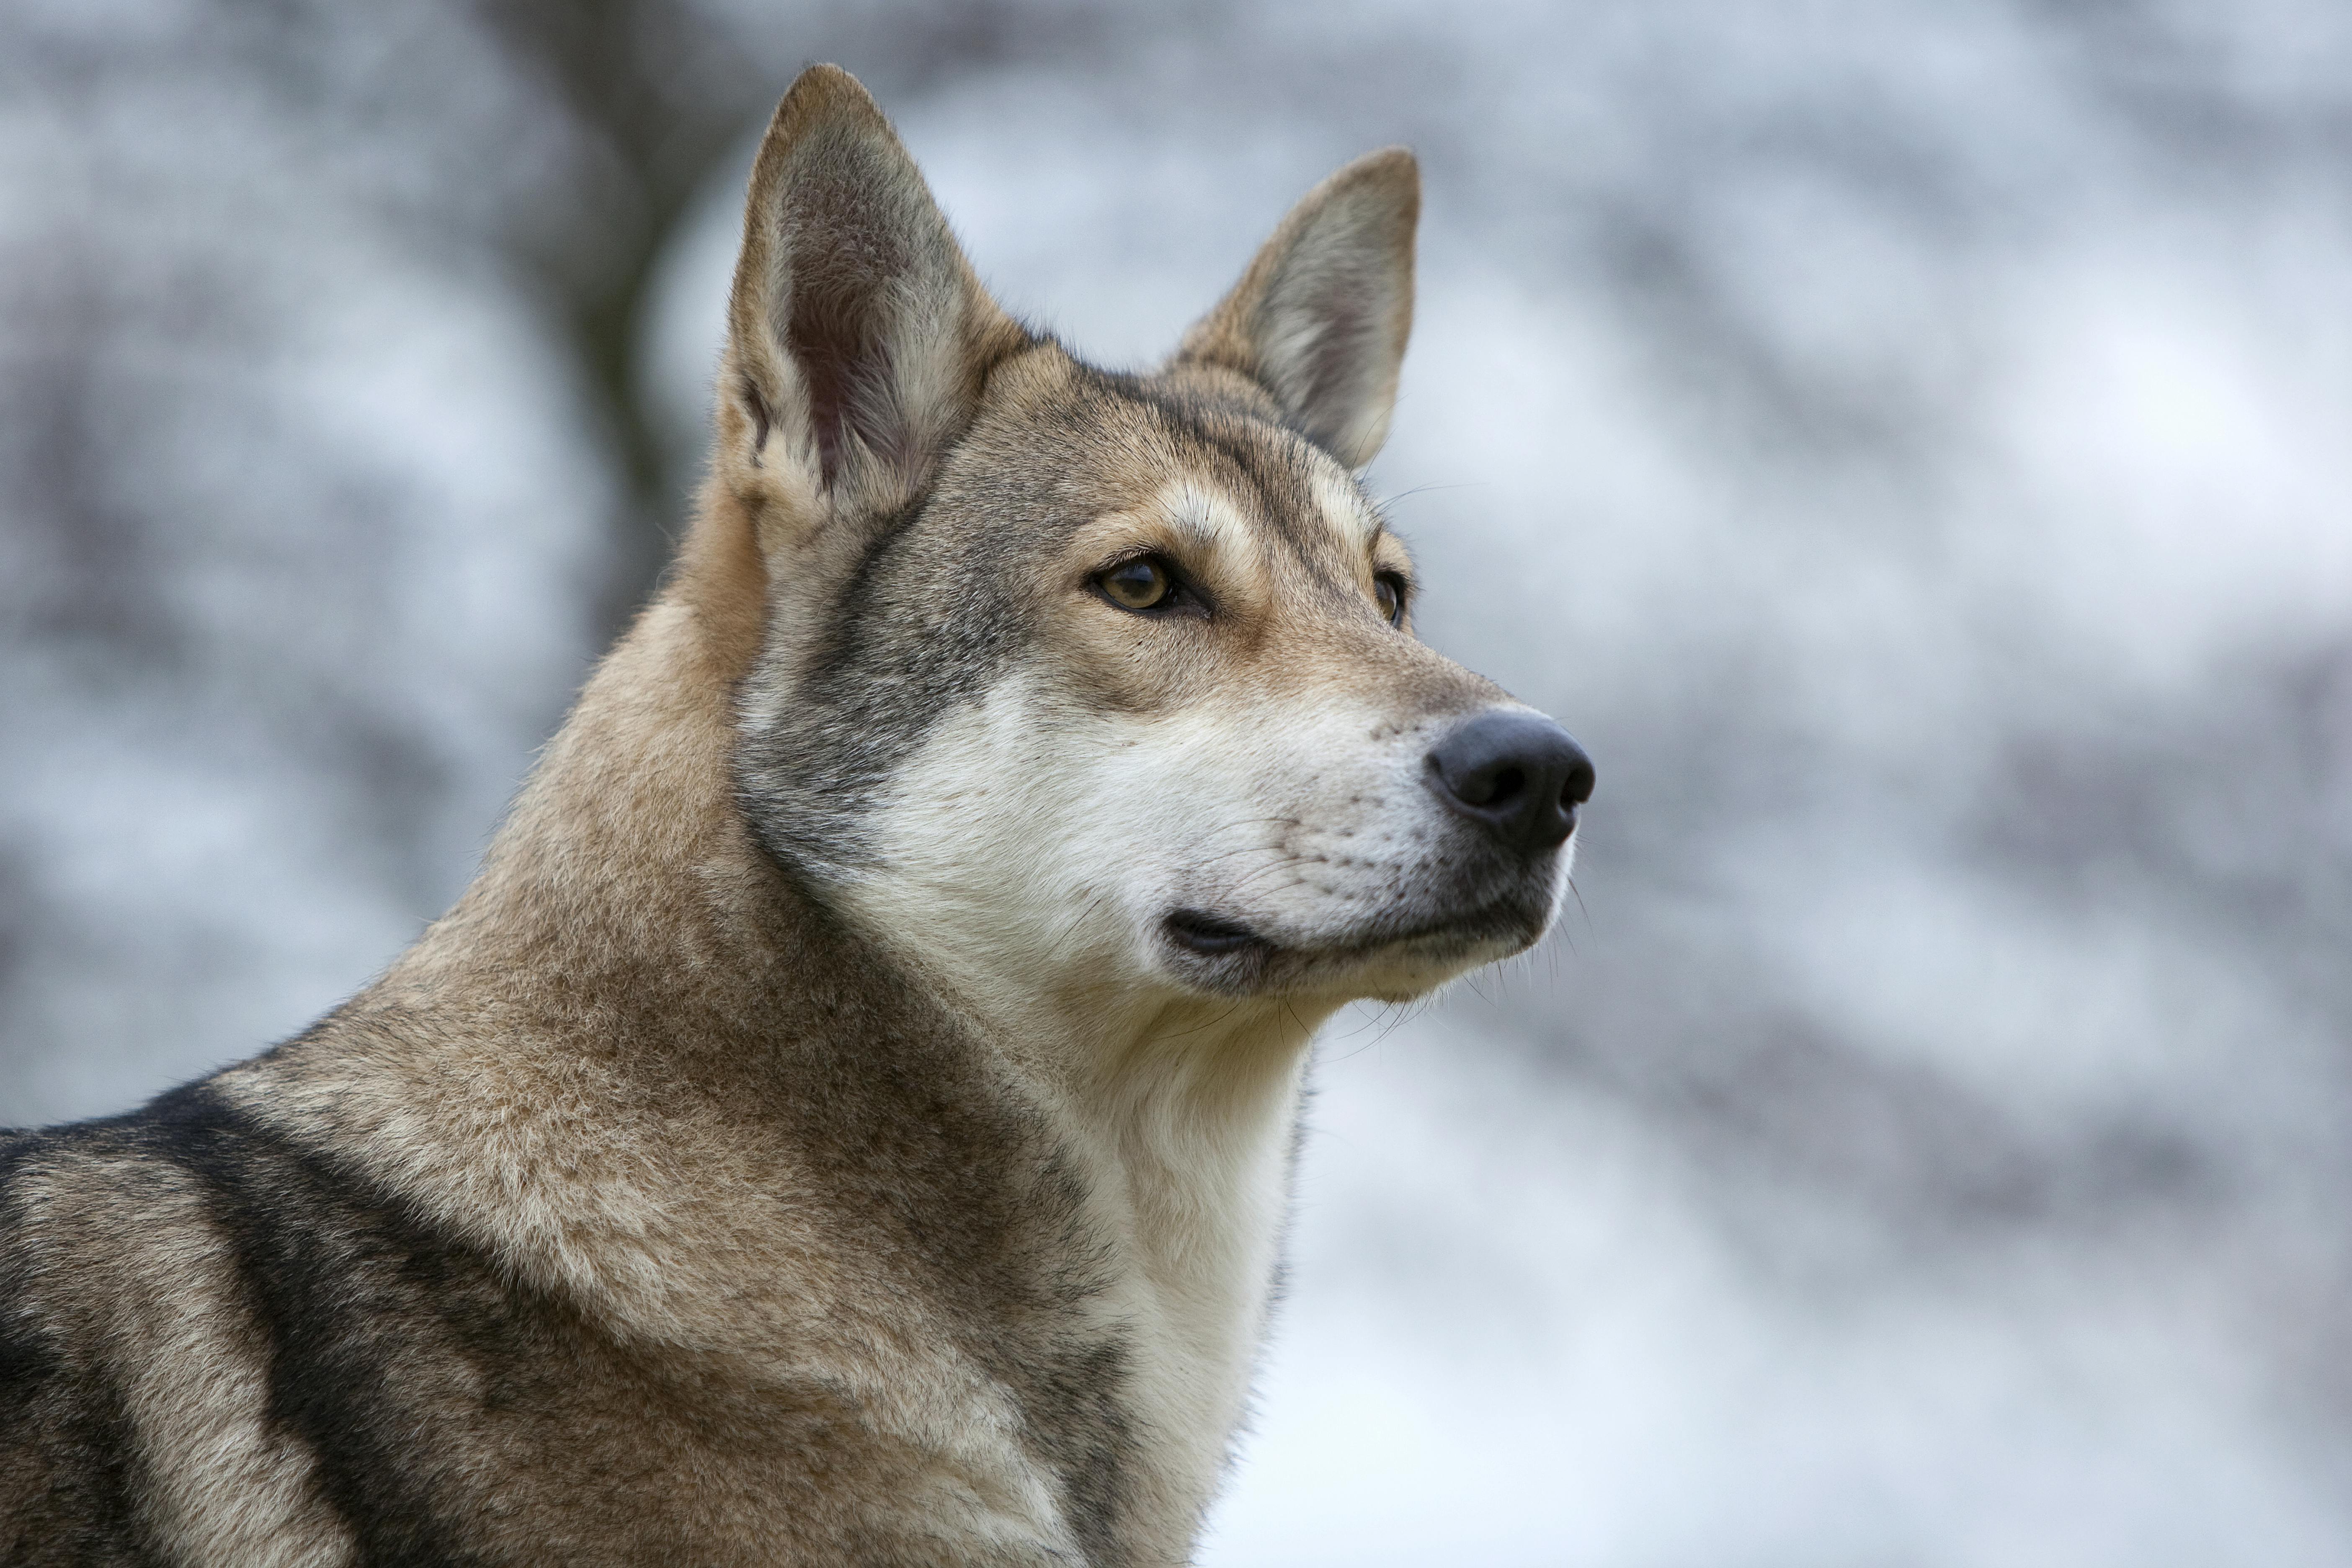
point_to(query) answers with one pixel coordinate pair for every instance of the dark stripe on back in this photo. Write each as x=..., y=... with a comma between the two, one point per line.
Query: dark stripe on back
x=345, y=1285
x=69, y=1476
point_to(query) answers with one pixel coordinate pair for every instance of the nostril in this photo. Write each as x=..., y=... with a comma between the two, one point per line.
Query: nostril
x=1519, y=774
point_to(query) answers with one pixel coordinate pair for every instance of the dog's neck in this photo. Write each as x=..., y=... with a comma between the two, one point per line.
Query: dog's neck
x=1184, y=1113
x=596, y=1065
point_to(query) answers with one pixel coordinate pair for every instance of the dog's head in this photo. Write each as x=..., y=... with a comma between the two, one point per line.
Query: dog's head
x=1100, y=682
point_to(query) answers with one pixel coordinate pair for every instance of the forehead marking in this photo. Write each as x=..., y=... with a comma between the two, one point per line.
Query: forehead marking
x=1227, y=434
x=1205, y=514
x=1295, y=481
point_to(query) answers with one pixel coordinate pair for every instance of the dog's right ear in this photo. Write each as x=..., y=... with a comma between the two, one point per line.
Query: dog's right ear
x=857, y=336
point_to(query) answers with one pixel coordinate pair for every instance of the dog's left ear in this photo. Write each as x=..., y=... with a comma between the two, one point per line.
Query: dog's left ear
x=858, y=337
x=1321, y=316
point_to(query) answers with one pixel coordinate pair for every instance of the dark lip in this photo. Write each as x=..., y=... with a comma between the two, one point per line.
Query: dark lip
x=1197, y=930
x=1502, y=921
x=1215, y=936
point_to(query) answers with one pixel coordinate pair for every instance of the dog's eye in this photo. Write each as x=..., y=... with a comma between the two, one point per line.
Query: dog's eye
x=1387, y=587
x=1142, y=584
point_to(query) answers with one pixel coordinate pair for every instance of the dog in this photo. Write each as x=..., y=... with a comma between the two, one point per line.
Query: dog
x=849, y=1120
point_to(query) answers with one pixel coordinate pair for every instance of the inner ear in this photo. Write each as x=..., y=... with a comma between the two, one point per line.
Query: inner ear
x=1321, y=316
x=862, y=238
x=832, y=342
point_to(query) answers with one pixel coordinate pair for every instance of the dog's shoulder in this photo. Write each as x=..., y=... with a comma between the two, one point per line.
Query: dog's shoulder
x=223, y=1337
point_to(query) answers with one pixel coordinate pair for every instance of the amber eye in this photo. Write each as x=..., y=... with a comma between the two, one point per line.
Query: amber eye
x=1387, y=587
x=1142, y=584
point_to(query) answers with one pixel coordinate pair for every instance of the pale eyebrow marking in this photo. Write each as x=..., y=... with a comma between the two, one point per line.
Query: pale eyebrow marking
x=1207, y=515
x=1345, y=512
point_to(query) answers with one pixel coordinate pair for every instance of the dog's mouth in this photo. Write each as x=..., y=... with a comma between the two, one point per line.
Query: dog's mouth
x=1212, y=936
x=1228, y=955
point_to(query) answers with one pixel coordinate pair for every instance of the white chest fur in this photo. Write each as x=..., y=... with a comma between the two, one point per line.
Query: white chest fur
x=1202, y=1193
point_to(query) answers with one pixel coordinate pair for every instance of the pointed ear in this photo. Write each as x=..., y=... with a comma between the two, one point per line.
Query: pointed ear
x=858, y=338
x=1321, y=316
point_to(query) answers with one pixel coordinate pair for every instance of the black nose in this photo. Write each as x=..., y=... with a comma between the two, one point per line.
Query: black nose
x=1519, y=775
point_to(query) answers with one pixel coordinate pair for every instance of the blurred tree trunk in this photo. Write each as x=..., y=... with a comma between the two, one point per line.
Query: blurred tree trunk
x=659, y=94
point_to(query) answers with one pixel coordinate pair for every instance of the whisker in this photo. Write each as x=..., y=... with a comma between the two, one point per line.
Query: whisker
x=1203, y=1026
x=1382, y=505
x=1071, y=927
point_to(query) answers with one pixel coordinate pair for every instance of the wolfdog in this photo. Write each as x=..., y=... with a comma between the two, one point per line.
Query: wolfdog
x=849, y=1118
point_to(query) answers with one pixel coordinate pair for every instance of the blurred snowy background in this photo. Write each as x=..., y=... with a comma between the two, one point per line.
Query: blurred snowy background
x=1910, y=444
